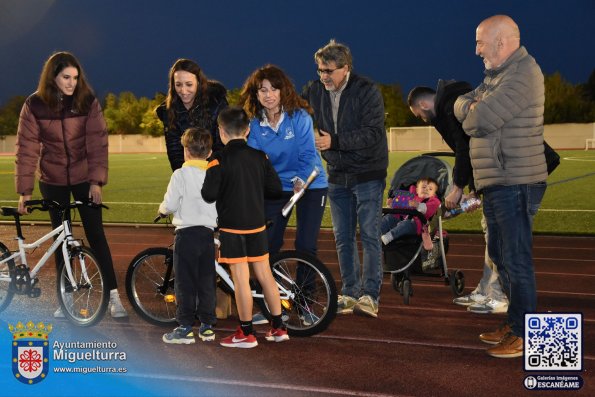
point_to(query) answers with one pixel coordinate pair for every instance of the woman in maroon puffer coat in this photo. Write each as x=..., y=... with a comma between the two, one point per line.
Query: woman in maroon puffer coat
x=62, y=133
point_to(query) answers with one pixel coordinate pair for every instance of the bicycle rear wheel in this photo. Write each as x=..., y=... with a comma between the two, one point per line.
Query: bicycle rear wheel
x=312, y=304
x=150, y=286
x=84, y=305
x=7, y=275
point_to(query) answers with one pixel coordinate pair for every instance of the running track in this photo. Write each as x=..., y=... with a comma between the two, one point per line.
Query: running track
x=428, y=348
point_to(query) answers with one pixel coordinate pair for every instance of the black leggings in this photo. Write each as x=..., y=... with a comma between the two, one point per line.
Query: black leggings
x=92, y=223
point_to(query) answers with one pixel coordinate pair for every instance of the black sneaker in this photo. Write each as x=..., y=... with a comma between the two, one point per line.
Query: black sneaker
x=206, y=333
x=180, y=336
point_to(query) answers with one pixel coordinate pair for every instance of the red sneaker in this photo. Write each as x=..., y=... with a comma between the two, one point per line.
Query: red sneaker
x=239, y=340
x=276, y=335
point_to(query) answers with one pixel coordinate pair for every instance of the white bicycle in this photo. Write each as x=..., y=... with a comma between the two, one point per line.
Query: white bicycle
x=80, y=283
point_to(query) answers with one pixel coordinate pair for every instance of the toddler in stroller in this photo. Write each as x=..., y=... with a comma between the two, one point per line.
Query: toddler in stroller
x=422, y=198
x=403, y=256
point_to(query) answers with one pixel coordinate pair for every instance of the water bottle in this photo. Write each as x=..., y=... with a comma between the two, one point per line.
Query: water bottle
x=472, y=202
x=463, y=207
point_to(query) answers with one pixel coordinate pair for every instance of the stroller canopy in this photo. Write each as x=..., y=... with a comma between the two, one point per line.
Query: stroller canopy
x=426, y=165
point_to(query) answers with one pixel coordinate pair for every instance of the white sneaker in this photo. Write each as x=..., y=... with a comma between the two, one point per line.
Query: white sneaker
x=345, y=304
x=471, y=299
x=386, y=238
x=366, y=305
x=489, y=306
x=116, y=309
x=58, y=313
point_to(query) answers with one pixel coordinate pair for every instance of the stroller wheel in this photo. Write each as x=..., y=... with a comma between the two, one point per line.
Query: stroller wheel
x=397, y=283
x=457, y=282
x=406, y=291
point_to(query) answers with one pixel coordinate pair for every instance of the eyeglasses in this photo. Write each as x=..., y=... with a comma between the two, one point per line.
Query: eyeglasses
x=326, y=71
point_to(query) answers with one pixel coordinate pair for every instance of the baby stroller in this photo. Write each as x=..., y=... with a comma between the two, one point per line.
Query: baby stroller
x=406, y=257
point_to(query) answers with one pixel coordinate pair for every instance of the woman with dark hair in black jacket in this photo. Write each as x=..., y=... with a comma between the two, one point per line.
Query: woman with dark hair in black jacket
x=192, y=101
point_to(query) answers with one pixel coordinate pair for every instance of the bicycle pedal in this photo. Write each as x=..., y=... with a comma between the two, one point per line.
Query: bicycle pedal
x=35, y=293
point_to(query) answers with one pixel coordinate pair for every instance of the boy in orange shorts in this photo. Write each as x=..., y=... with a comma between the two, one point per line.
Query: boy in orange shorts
x=238, y=179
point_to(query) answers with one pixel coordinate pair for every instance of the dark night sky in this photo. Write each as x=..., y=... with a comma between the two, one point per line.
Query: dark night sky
x=130, y=45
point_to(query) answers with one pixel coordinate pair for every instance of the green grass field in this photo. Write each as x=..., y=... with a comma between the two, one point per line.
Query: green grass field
x=137, y=183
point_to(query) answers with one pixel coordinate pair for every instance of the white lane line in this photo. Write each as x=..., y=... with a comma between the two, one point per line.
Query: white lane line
x=262, y=385
x=535, y=258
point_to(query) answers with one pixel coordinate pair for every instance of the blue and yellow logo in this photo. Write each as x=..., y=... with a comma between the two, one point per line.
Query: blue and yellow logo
x=30, y=351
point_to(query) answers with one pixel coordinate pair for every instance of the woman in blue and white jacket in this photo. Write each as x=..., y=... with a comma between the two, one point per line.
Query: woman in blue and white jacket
x=281, y=126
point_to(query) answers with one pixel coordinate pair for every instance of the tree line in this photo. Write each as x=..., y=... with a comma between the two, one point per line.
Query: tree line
x=127, y=114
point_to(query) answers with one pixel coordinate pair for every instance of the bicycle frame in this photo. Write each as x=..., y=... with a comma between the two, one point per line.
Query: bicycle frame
x=64, y=235
x=226, y=278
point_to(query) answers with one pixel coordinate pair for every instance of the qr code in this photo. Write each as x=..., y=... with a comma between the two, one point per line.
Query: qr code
x=553, y=341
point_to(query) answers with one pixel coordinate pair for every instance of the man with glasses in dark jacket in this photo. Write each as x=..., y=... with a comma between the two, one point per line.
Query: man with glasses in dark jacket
x=349, y=115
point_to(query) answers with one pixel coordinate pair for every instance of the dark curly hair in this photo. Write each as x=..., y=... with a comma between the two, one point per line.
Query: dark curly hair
x=290, y=100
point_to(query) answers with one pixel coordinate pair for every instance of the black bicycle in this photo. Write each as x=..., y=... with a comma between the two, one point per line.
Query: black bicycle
x=306, y=287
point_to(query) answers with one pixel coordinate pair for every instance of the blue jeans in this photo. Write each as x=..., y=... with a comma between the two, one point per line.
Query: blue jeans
x=361, y=203
x=397, y=227
x=509, y=212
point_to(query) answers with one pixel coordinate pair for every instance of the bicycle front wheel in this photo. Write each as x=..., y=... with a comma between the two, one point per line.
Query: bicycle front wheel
x=85, y=302
x=150, y=286
x=312, y=302
x=7, y=278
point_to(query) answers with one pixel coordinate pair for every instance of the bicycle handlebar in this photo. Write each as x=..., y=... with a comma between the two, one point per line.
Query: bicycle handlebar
x=46, y=205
